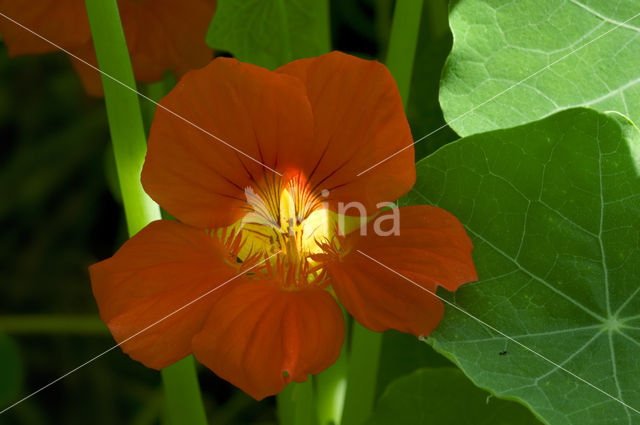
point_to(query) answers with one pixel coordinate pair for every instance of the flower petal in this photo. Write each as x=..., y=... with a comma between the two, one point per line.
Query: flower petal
x=90, y=77
x=358, y=121
x=166, y=35
x=431, y=249
x=264, y=116
x=166, y=266
x=63, y=22
x=162, y=35
x=260, y=337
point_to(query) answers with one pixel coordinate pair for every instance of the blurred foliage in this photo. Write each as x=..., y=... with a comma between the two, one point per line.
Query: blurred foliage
x=58, y=216
x=444, y=396
x=60, y=212
x=10, y=370
x=402, y=354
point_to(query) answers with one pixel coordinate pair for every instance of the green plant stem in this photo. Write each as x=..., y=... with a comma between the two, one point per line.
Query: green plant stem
x=364, y=356
x=286, y=406
x=182, y=393
x=44, y=324
x=129, y=145
x=403, y=42
x=296, y=404
x=438, y=14
x=123, y=111
x=331, y=386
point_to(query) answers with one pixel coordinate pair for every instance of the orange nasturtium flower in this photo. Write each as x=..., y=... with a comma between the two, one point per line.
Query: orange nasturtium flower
x=271, y=243
x=162, y=35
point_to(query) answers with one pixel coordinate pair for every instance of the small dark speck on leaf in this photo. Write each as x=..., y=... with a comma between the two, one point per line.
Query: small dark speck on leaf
x=503, y=353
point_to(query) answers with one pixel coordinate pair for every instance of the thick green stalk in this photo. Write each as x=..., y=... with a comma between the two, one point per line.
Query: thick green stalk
x=437, y=14
x=286, y=406
x=129, y=146
x=182, y=393
x=364, y=357
x=123, y=111
x=296, y=404
x=403, y=42
x=331, y=386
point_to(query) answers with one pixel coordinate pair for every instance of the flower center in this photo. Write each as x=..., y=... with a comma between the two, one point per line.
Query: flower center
x=288, y=220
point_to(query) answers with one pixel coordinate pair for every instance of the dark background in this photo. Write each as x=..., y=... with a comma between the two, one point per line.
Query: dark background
x=60, y=212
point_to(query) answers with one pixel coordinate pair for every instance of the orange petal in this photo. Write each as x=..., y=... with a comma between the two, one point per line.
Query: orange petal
x=431, y=249
x=200, y=179
x=166, y=35
x=90, y=77
x=260, y=337
x=160, y=270
x=64, y=22
x=358, y=120
x=162, y=36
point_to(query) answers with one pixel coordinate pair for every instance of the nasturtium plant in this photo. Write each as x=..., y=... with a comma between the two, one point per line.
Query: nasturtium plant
x=553, y=209
x=255, y=166
x=444, y=396
x=270, y=33
x=556, y=54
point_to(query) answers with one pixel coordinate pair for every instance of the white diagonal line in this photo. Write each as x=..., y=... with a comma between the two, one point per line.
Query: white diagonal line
x=135, y=335
x=140, y=94
x=482, y=322
x=620, y=24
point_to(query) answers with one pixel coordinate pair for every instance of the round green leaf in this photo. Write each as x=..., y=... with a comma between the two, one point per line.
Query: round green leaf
x=444, y=396
x=270, y=33
x=553, y=209
x=500, y=43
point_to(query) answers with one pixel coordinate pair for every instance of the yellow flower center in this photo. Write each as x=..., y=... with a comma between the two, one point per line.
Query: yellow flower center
x=284, y=227
x=295, y=225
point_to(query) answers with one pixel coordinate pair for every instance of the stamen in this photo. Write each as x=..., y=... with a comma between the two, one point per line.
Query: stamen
x=282, y=217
